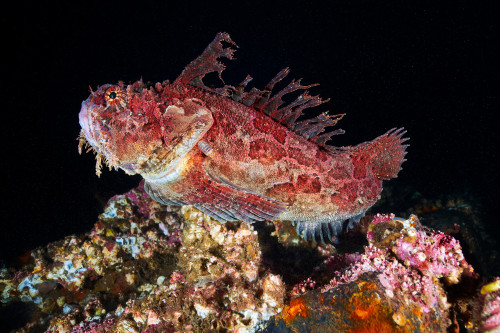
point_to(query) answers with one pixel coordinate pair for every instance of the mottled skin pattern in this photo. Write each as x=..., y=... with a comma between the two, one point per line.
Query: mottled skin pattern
x=195, y=145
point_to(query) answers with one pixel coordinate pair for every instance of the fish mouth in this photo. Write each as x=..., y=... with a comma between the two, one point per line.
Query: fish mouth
x=85, y=123
x=106, y=141
x=91, y=134
x=99, y=136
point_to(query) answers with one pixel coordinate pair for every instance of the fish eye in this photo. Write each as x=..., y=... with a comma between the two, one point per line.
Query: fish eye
x=114, y=95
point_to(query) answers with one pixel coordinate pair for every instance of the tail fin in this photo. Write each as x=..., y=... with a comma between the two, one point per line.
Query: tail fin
x=385, y=154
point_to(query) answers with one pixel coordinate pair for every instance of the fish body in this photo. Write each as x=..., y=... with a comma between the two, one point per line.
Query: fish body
x=236, y=154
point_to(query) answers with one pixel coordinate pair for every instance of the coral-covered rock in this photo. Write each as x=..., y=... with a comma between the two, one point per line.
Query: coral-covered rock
x=132, y=243
x=394, y=286
x=459, y=214
x=131, y=274
x=223, y=265
x=145, y=267
x=432, y=253
x=358, y=306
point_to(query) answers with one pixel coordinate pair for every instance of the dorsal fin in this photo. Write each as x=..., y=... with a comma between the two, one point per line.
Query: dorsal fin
x=263, y=100
x=207, y=62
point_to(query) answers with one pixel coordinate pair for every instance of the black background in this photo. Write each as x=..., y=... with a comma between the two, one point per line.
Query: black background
x=431, y=68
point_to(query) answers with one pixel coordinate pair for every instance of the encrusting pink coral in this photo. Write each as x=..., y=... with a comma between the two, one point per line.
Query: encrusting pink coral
x=302, y=287
x=402, y=249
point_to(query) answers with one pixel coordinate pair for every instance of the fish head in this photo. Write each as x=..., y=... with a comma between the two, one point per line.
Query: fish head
x=124, y=126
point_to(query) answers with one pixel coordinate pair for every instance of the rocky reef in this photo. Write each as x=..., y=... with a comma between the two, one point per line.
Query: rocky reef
x=145, y=267
x=396, y=285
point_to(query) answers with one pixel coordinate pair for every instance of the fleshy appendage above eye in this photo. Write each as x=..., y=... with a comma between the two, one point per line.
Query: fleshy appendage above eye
x=114, y=95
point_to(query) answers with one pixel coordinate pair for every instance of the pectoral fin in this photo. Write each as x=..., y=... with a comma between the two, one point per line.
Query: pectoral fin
x=226, y=201
x=216, y=196
x=160, y=197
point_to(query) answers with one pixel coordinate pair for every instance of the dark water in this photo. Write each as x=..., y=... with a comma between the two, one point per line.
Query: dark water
x=432, y=69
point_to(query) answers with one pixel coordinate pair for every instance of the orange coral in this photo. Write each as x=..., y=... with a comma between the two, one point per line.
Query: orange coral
x=368, y=313
x=296, y=308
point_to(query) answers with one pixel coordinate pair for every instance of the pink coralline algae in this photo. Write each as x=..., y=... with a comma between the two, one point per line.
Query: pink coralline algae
x=302, y=287
x=409, y=259
x=432, y=253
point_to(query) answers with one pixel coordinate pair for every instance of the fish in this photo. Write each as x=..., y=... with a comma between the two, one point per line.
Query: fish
x=239, y=154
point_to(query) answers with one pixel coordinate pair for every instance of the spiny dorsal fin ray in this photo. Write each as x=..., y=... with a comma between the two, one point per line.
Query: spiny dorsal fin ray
x=311, y=128
x=264, y=100
x=323, y=138
x=207, y=62
x=239, y=91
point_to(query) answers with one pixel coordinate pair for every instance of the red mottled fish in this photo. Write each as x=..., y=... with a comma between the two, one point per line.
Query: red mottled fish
x=236, y=154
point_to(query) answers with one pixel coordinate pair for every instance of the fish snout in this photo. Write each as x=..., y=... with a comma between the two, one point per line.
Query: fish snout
x=84, y=118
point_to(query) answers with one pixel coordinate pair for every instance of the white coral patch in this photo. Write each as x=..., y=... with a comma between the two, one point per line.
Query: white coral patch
x=203, y=311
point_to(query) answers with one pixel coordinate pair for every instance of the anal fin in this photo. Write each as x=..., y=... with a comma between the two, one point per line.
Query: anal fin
x=320, y=232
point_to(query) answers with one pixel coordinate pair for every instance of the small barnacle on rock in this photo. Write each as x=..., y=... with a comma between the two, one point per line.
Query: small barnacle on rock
x=126, y=325
x=384, y=230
